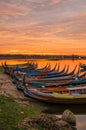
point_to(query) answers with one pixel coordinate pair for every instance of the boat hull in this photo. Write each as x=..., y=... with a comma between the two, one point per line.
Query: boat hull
x=60, y=99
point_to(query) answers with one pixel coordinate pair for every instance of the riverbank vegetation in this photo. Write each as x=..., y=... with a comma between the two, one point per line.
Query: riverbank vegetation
x=1, y=68
x=12, y=113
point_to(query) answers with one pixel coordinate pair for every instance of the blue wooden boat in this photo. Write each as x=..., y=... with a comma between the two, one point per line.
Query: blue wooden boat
x=56, y=81
x=83, y=66
x=62, y=96
x=46, y=72
x=20, y=67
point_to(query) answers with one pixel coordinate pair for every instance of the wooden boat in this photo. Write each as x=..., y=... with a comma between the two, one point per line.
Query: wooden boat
x=52, y=77
x=53, y=70
x=48, y=71
x=76, y=95
x=43, y=68
x=23, y=67
x=51, y=73
x=28, y=68
x=48, y=84
x=37, y=82
x=63, y=70
x=83, y=70
x=58, y=81
x=83, y=66
x=51, y=83
x=36, y=72
x=81, y=79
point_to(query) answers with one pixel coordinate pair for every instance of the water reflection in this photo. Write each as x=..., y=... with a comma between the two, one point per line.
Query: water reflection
x=43, y=62
x=81, y=122
x=78, y=110
x=13, y=62
x=58, y=109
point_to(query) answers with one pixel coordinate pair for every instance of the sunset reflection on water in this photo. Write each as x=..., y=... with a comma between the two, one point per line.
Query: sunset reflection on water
x=43, y=62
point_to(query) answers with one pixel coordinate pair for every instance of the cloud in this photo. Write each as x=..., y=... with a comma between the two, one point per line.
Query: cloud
x=8, y=10
x=31, y=23
x=13, y=51
x=55, y=1
x=74, y=27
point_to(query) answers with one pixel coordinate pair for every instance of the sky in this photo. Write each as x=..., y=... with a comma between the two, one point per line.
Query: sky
x=43, y=27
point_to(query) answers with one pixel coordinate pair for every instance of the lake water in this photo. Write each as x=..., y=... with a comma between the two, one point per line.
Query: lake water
x=42, y=62
x=78, y=110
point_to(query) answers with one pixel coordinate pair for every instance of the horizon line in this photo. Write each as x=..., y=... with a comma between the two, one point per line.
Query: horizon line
x=44, y=54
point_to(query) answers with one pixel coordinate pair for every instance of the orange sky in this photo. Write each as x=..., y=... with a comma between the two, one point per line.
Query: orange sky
x=43, y=27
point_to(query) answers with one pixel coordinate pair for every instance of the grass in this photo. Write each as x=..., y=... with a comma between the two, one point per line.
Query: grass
x=12, y=113
x=1, y=68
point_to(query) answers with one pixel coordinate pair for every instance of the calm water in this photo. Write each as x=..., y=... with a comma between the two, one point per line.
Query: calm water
x=78, y=110
x=42, y=63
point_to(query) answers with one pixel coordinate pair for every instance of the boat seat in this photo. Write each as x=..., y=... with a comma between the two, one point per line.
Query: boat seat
x=75, y=93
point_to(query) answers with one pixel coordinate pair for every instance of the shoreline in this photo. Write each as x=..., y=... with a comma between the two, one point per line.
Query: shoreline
x=40, y=56
x=8, y=89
